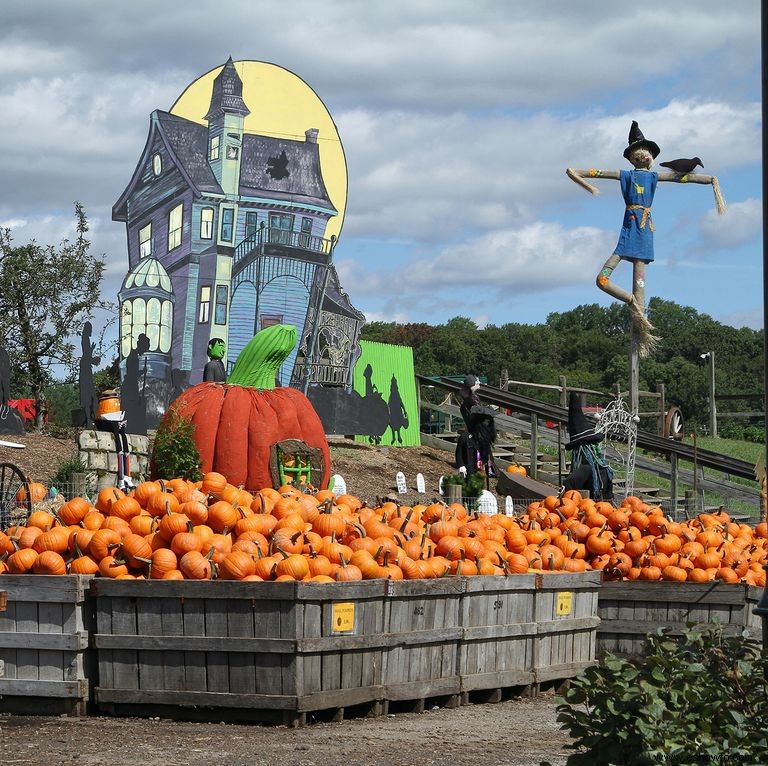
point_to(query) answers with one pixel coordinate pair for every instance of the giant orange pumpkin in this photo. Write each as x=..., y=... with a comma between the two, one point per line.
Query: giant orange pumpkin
x=238, y=422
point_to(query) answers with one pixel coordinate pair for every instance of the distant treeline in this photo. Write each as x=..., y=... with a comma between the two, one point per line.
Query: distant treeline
x=589, y=345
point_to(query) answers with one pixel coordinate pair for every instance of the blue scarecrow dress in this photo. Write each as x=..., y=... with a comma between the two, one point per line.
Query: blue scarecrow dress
x=636, y=238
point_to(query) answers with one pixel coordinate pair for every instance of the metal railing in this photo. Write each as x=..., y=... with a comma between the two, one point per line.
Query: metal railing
x=324, y=374
x=273, y=236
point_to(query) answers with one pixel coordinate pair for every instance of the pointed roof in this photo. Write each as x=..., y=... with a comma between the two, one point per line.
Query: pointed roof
x=227, y=96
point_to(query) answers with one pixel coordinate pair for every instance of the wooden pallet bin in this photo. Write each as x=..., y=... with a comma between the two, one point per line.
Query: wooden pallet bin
x=423, y=623
x=266, y=649
x=499, y=632
x=44, y=644
x=566, y=624
x=631, y=610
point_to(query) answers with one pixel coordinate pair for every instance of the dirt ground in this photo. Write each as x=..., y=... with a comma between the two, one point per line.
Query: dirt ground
x=520, y=732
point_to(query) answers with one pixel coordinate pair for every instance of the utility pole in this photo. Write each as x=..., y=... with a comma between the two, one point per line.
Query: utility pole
x=710, y=355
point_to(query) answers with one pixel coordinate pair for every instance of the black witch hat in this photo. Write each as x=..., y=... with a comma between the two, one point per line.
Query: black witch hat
x=637, y=140
x=579, y=428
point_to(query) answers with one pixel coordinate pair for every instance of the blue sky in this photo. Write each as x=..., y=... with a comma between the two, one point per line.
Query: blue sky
x=458, y=120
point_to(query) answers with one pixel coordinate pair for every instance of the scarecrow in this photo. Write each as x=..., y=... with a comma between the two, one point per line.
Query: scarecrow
x=589, y=469
x=636, y=238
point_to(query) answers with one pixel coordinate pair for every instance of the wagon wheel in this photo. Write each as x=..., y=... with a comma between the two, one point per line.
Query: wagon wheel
x=11, y=481
x=673, y=424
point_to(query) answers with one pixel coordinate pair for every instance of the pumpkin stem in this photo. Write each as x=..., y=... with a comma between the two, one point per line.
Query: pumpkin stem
x=259, y=361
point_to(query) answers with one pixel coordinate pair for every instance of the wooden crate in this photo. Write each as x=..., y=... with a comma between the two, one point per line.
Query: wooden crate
x=423, y=623
x=499, y=632
x=631, y=610
x=566, y=619
x=44, y=644
x=258, y=647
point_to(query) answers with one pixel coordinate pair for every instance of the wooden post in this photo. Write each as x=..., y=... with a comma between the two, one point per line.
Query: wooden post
x=689, y=504
x=638, y=292
x=673, y=486
x=561, y=429
x=712, y=404
x=533, y=473
x=662, y=389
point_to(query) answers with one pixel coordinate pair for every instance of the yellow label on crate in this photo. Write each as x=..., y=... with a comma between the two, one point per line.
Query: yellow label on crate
x=343, y=617
x=564, y=603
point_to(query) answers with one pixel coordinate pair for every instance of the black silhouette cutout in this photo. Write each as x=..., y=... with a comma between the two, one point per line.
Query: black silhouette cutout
x=277, y=167
x=398, y=417
x=133, y=401
x=88, y=399
x=11, y=421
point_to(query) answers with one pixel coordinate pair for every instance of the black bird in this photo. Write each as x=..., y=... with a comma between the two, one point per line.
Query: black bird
x=682, y=165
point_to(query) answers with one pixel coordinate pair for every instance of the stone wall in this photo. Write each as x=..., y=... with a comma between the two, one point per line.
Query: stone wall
x=97, y=451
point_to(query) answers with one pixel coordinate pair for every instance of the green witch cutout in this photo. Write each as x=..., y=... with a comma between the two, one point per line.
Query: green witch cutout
x=635, y=244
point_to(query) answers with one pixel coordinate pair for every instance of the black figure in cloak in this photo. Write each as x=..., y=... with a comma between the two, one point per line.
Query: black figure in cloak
x=588, y=467
x=398, y=417
x=469, y=397
x=482, y=427
x=88, y=399
x=133, y=401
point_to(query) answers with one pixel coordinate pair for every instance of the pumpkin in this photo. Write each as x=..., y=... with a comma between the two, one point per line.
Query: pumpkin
x=33, y=490
x=238, y=422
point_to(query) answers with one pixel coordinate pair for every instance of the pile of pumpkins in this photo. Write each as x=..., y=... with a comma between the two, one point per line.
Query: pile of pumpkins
x=177, y=529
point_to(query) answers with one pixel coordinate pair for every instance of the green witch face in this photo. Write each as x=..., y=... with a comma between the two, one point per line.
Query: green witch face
x=216, y=348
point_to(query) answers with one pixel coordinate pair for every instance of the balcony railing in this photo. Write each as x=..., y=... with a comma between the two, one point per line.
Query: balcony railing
x=274, y=236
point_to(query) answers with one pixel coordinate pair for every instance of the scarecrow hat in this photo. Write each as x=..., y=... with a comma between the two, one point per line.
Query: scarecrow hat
x=579, y=428
x=470, y=384
x=637, y=140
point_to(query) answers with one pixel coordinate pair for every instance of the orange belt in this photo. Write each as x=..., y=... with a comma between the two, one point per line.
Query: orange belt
x=646, y=216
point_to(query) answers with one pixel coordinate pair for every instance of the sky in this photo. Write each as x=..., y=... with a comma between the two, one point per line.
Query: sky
x=458, y=119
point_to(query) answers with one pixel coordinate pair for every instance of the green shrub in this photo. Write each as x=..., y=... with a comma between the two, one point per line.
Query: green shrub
x=63, y=475
x=175, y=452
x=696, y=698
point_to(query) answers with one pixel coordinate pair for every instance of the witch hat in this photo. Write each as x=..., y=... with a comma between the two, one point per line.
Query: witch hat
x=579, y=429
x=637, y=140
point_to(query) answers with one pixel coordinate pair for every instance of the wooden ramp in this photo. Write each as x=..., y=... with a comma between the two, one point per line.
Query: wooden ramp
x=518, y=486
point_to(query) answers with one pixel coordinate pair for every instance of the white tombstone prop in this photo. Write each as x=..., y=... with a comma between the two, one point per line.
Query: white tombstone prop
x=421, y=487
x=509, y=506
x=440, y=484
x=402, y=487
x=487, y=504
x=339, y=484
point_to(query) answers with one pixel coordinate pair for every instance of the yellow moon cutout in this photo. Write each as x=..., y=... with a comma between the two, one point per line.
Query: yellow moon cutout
x=282, y=105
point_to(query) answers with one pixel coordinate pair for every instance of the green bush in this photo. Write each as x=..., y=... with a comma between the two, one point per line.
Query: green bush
x=694, y=699
x=175, y=453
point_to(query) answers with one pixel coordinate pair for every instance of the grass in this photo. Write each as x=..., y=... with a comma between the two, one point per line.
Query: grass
x=742, y=450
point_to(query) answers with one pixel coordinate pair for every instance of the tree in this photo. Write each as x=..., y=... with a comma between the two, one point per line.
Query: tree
x=46, y=293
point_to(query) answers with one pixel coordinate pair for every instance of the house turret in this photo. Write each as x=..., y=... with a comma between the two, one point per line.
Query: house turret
x=226, y=114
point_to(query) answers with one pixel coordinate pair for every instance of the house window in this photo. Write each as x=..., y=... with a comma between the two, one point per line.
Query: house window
x=152, y=317
x=220, y=314
x=175, y=218
x=204, y=312
x=145, y=241
x=267, y=320
x=213, y=154
x=280, y=227
x=233, y=152
x=206, y=223
x=157, y=164
x=227, y=221
x=306, y=232
x=251, y=224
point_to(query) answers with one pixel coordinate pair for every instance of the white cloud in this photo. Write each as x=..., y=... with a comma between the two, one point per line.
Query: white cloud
x=741, y=223
x=536, y=257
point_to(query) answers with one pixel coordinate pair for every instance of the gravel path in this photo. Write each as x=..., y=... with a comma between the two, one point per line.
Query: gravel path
x=521, y=732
